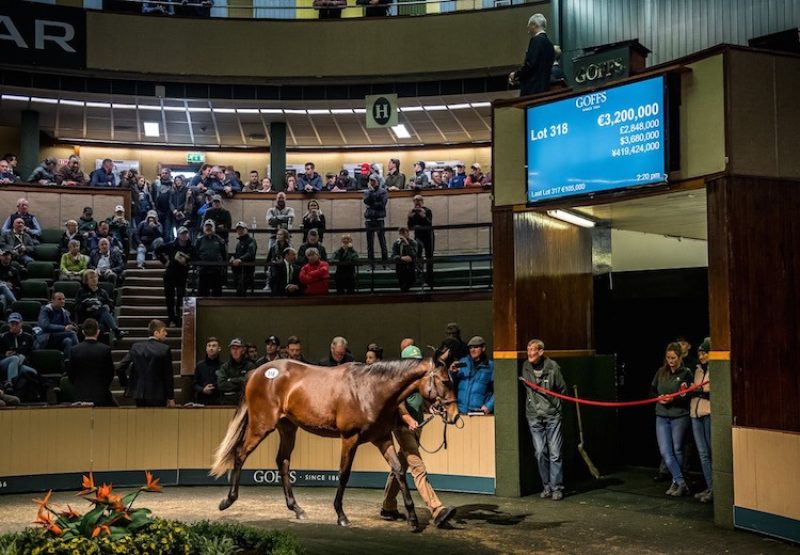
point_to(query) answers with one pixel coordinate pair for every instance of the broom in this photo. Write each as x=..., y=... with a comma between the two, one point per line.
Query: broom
x=589, y=464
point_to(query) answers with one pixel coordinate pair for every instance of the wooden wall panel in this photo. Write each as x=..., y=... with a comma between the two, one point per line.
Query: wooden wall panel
x=504, y=281
x=52, y=206
x=718, y=264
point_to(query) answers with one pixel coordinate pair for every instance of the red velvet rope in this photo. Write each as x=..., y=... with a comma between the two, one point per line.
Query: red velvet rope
x=613, y=404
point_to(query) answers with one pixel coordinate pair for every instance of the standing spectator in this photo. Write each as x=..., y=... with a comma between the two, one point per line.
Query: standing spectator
x=177, y=202
x=146, y=371
x=243, y=260
x=231, y=375
x=330, y=182
x=375, y=8
x=70, y=174
x=309, y=181
x=229, y=181
x=687, y=358
x=420, y=180
x=9, y=279
x=161, y=191
x=144, y=200
x=474, y=378
x=44, y=173
x=436, y=180
x=407, y=433
x=339, y=353
x=149, y=236
x=120, y=228
x=272, y=350
x=345, y=183
x=533, y=76
x=291, y=184
x=202, y=177
x=91, y=369
x=266, y=186
x=279, y=216
x=210, y=248
x=73, y=263
x=94, y=302
x=700, y=412
x=460, y=177
x=453, y=341
x=420, y=219
x=346, y=259
x=395, y=179
x=58, y=331
x=294, y=349
x=32, y=226
x=476, y=177
x=374, y=354
x=176, y=255
x=315, y=274
x=19, y=242
x=556, y=73
x=205, y=375
x=404, y=254
x=313, y=219
x=313, y=243
x=7, y=176
x=16, y=346
x=330, y=9
x=275, y=256
x=108, y=263
x=87, y=225
x=104, y=175
x=221, y=218
x=375, y=198
x=12, y=161
x=544, y=415
x=251, y=352
x=284, y=275
x=71, y=233
x=447, y=176
x=672, y=416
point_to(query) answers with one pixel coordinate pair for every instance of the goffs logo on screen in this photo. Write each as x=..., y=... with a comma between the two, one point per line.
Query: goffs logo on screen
x=590, y=100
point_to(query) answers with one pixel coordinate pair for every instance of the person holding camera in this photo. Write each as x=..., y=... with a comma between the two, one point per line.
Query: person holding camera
x=474, y=379
x=313, y=219
x=420, y=219
x=404, y=254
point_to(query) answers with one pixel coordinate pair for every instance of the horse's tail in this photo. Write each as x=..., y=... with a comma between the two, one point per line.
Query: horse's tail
x=225, y=454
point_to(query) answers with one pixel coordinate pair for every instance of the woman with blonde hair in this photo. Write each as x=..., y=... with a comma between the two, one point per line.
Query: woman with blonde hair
x=700, y=411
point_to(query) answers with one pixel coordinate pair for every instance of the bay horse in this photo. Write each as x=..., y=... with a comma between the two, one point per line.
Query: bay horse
x=356, y=402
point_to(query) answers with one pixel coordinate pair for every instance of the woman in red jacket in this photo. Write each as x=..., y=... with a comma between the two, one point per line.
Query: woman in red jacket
x=315, y=275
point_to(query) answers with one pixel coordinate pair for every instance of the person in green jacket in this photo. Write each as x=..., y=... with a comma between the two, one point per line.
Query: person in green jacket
x=73, y=263
x=672, y=415
x=231, y=375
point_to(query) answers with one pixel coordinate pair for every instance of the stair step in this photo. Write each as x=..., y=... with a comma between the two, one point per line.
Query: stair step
x=128, y=322
x=149, y=299
x=148, y=264
x=143, y=331
x=147, y=272
x=136, y=281
x=149, y=310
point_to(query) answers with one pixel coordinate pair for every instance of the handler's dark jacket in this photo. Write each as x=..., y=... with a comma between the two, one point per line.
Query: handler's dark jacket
x=211, y=249
x=246, y=251
x=176, y=271
x=541, y=405
x=206, y=373
x=230, y=379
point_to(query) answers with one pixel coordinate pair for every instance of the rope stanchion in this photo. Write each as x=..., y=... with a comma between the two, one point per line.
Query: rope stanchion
x=611, y=404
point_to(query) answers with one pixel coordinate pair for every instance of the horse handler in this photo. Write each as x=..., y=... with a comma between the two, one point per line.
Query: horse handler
x=407, y=435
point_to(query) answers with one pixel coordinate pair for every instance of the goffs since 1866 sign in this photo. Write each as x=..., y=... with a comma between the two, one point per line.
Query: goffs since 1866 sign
x=381, y=110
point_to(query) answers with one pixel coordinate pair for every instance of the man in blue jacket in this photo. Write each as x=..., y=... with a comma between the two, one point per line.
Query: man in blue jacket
x=309, y=181
x=474, y=377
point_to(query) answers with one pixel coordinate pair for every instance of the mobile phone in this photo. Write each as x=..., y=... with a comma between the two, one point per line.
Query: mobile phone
x=459, y=365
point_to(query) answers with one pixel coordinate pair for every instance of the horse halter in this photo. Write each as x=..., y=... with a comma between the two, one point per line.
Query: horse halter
x=439, y=405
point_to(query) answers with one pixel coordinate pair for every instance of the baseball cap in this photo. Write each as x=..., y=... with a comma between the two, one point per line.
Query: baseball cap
x=476, y=341
x=241, y=224
x=51, y=160
x=210, y=223
x=374, y=177
x=119, y=208
x=152, y=214
x=14, y=317
x=412, y=351
x=236, y=342
x=344, y=173
x=475, y=166
x=5, y=252
x=183, y=229
x=216, y=198
x=452, y=327
x=273, y=339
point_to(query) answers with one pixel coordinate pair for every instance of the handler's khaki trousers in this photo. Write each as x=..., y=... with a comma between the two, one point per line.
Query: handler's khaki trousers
x=411, y=461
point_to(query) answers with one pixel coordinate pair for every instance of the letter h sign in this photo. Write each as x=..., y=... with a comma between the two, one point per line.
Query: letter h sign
x=381, y=110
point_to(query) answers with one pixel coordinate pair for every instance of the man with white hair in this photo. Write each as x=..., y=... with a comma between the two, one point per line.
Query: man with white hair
x=533, y=76
x=339, y=353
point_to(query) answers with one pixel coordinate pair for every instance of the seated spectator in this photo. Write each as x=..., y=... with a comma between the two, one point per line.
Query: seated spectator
x=73, y=263
x=346, y=259
x=314, y=275
x=149, y=236
x=395, y=179
x=375, y=8
x=453, y=341
x=476, y=177
x=93, y=302
x=19, y=242
x=313, y=219
x=266, y=186
x=7, y=400
x=284, y=275
x=58, y=331
x=474, y=379
x=120, y=228
x=420, y=179
x=44, y=173
x=231, y=375
x=9, y=279
x=70, y=174
x=374, y=353
x=339, y=353
x=309, y=181
x=294, y=349
x=291, y=184
x=87, y=225
x=71, y=233
x=104, y=175
x=404, y=254
x=313, y=242
x=104, y=232
x=458, y=179
x=272, y=350
x=6, y=175
x=205, y=375
x=32, y=226
x=243, y=259
x=345, y=183
x=221, y=218
x=108, y=263
x=330, y=9
x=16, y=346
x=251, y=352
x=91, y=368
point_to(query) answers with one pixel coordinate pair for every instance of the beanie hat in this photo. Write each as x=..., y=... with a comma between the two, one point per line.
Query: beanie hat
x=412, y=351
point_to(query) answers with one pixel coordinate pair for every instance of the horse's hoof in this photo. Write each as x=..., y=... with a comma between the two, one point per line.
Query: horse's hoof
x=343, y=521
x=413, y=526
x=225, y=503
x=300, y=515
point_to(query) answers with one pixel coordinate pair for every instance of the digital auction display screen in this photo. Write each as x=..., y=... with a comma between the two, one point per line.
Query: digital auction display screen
x=601, y=141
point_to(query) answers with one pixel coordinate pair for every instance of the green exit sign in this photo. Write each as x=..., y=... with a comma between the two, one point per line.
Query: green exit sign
x=195, y=157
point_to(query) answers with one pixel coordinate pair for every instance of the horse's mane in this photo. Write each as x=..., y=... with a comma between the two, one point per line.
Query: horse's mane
x=389, y=369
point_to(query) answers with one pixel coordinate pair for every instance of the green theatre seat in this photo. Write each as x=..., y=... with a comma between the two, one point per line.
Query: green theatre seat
x=108, y=287
x=42, y=270
x=46, y=253
x=35, y=289
x=29, y=310
x=69, y=288
x=52, y=236
x=49, y=362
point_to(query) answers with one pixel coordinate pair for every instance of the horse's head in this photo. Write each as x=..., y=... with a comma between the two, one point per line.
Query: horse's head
x=437, y=388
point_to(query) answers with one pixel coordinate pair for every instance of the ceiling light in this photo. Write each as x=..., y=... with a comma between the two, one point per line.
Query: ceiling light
x=359, y=110
x=401, y=132
x=67, y=102
x=148, y=107
x=44, y=100
x=224, y=110
x=124, y=106
x=321, y=111
x=565, y=216
x=98, y=104
x=458, y=106
x=174, y=109
x=294, y=111
x=199, y=109
x=480, y=104
x=15, y=97
x=151, y=129
x=247, y=110
x=435, y=108
x=410, y=109
x=271, y=111
x=341, y=111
